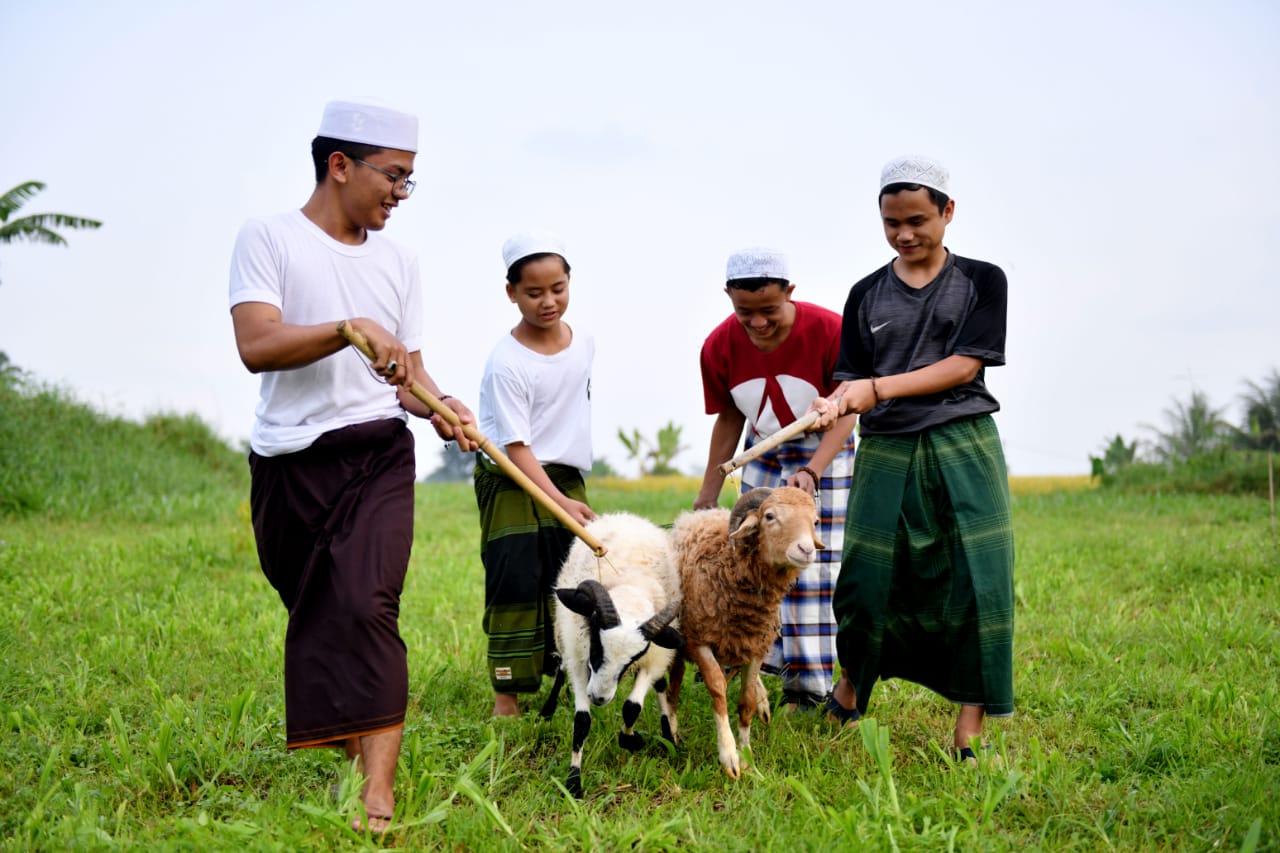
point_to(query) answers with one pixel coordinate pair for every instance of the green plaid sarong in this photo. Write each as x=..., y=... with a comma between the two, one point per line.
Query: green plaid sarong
x=522, y=547
x=926, y=585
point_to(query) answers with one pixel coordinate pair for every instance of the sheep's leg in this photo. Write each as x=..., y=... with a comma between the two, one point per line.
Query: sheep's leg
x=581, y=728
x=629, y=739
x=553, y=696
x=713, y=675
x=762, y=700
x=670, y=725
x=753, y=694
x=664, y=707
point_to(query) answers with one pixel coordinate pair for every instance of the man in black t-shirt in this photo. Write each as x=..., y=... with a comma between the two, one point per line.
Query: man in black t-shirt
x=926, y=592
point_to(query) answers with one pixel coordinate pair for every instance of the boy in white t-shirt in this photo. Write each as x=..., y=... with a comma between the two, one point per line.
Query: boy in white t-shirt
x=332, y=464
x=535, y=402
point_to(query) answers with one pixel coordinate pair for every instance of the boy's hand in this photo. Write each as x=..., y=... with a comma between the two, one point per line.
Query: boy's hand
x=858, y=396
x=448, y=432
x=828, y=409
x=579, y=511
x=707, y=501
x=391, y=360
x=804, y=481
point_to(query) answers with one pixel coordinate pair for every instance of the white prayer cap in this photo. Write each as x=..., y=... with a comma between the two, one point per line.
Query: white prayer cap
x=370, y=123
x=528, y=243
x=757, y=262
x=915, y=169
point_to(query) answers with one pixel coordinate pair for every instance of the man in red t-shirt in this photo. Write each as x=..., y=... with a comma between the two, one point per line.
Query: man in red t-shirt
x=762, y=367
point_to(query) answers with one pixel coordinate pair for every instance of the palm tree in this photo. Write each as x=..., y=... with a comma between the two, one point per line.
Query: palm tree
x=1261, y=429
x=38, y=227
x=655, y=457
x=1195, y=428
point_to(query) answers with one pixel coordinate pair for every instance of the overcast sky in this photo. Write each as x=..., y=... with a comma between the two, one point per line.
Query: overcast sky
x=1117, y=159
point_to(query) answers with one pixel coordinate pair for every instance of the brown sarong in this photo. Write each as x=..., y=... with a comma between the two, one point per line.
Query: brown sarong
x=334, y=527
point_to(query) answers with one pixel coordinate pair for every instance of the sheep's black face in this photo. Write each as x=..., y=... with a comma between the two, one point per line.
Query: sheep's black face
x=596, y=658
x=613, y=652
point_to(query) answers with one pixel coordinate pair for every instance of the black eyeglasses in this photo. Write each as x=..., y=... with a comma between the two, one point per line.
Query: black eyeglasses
x=400, y=184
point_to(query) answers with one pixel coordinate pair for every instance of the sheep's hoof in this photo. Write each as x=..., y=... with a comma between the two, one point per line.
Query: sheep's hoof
x=574, y=783
x=666, y=730
x=731, y=765
x=633, y=742
x=762, y=711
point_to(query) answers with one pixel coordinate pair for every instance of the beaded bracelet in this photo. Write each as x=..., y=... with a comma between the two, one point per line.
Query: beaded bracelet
x=875, y=391
x=806, y=469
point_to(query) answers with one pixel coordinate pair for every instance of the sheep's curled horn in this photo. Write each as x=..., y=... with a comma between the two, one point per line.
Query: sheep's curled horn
x=606, y=613
x=660, y=620
x=747, y=504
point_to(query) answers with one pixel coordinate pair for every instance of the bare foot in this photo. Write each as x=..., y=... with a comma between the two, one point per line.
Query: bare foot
x=505, y=705
x=379, y=754
x=379, y=822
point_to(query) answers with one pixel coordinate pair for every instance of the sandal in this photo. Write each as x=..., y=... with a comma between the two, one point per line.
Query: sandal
x=794, y=702
x=965, y=755
x=844, y=716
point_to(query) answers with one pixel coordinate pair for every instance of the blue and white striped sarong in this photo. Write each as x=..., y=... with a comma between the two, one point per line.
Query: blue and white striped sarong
x=805, y=653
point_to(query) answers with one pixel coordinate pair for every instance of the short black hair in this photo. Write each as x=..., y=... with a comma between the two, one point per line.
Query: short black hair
x=938, y=198
x=323, y=146
x=516, y=270
x=751, y=285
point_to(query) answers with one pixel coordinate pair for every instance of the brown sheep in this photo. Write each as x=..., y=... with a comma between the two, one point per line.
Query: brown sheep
x=735, y=567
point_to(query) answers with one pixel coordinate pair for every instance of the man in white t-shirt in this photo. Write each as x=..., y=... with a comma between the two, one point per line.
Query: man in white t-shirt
x=332, y=458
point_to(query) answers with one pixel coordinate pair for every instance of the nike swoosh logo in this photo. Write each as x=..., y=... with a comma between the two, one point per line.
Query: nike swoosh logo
x=875, y=329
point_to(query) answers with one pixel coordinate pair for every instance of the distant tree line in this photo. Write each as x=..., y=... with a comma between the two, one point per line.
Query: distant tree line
x=1198, y=448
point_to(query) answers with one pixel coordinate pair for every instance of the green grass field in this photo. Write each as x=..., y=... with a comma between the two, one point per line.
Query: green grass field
x=140, y=689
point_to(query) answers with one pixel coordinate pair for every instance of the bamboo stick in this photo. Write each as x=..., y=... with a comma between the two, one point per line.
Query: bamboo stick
x=785, y=434
x=495, y=453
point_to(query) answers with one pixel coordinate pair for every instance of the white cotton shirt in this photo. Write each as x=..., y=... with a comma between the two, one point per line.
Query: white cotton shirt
x=289, y=262
x=542, y=401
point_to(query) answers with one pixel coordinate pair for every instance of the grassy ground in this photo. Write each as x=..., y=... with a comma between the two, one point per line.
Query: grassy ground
x=140, y=690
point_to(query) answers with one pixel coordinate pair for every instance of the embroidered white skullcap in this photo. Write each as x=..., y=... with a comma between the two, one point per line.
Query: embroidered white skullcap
x=370, y=123
x=528, y=243
x=757, y=262
x=915, y=169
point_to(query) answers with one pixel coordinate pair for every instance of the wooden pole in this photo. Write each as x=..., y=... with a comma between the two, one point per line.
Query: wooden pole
x=1271, y=483
x=785, y=434
x=491, y=450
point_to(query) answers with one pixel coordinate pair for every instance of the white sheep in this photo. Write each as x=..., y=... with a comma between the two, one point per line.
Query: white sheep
x=614, y=615
x=735, y=567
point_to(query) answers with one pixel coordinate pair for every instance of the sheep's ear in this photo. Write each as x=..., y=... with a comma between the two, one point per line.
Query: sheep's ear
x=668, y=638
x=748, y=526
x=577, y=601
